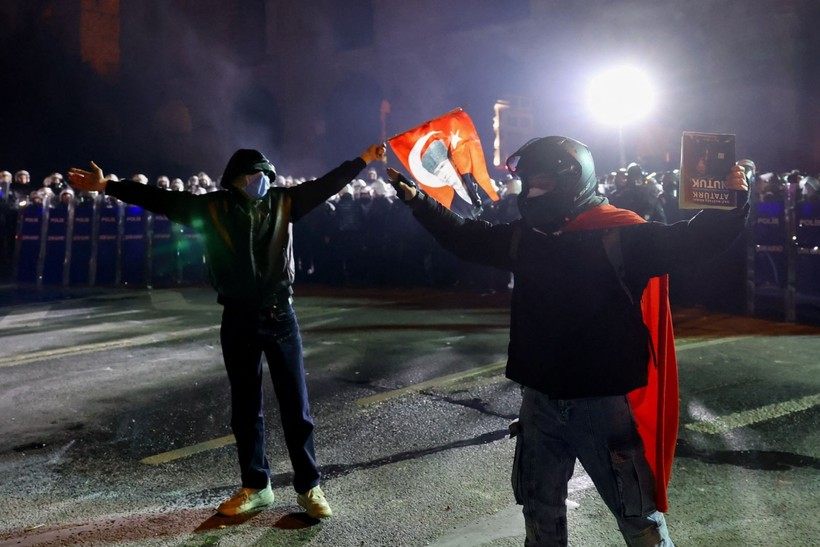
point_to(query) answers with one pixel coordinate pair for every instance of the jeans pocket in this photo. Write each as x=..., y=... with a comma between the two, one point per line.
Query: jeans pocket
x=636, y=484
x=282, y=315
x=280, y=325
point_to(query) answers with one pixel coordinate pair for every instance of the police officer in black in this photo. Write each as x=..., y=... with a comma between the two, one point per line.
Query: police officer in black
x=247, y=233
x=638, y=197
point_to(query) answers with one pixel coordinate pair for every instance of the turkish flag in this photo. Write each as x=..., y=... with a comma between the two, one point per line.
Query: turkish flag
x=445, y=158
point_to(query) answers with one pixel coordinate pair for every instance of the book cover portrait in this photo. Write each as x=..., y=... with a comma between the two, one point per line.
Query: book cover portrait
x=706, y=159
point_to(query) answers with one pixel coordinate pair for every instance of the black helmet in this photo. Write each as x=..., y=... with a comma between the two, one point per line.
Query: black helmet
x=634, y=172
x=567, y=159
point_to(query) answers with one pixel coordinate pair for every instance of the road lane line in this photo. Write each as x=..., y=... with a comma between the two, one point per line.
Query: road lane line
x=185, y=451
x=154, y=338
x=507, y=523
x=722, y=424
x=685, y=344
x=381, y=397
x=27, y=319
x=392, y=394
x=171, y=300
x=148, y=339
x=171, y=455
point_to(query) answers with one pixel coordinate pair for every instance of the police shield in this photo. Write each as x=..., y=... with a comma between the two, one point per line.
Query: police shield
x=108, y=244
x=135, y=245
x=56, y=244
x=191, y=256
x=30, y=236
x=82, y=234
x=770, y=261
x=807, y=268
x=163, y=254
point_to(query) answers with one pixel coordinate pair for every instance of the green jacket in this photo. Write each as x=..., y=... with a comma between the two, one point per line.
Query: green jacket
x=248, y=245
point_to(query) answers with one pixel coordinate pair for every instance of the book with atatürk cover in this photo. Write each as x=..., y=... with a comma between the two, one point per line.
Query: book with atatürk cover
x=705, y=162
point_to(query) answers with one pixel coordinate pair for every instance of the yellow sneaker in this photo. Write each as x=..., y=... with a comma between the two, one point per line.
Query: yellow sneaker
x=315, y=503
x=246, y=500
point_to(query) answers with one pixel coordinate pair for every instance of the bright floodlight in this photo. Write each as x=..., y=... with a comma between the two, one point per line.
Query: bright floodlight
x=621, y=96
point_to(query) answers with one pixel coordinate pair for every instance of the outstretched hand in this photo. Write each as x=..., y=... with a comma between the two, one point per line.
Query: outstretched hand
x=374, y=152
x=87, y=181
x=408, y=191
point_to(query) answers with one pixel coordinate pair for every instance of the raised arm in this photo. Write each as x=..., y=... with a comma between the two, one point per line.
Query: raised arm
x=471, y=240
x=181, y=207
x=310, y=194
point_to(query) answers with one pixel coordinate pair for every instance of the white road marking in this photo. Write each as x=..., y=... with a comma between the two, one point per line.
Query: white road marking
x=687, y=343
x=499, y=366
x=307, y=325
x=392, y=394
x=145, y=340
x=171, y=455
x=507, y=523
x=173, y=300
x=28, y=319
x=722, y=424
x=715, y=425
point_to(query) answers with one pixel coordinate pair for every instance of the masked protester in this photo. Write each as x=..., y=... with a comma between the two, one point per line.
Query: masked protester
x=591, y=359
x=247, y=233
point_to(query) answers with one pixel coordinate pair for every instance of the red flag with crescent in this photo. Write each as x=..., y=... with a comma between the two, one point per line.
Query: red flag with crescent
x=445, y=158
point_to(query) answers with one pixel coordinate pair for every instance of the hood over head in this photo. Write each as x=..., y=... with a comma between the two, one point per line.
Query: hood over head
x=244, y=162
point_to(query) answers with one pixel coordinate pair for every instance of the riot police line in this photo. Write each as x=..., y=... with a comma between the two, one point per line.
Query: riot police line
x=783, y=259
x=108, y=243
x=103, y=242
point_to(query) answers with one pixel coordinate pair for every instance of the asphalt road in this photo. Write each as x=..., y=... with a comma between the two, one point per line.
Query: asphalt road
x=115, y=415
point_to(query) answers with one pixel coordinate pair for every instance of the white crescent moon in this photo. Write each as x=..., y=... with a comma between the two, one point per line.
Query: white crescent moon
x=422, y=175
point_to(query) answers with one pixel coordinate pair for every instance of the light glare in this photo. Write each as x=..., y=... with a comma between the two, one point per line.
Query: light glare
x=621, y=95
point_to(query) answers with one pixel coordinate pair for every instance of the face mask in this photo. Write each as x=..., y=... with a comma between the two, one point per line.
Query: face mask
x=544, y=210
x=257, y=186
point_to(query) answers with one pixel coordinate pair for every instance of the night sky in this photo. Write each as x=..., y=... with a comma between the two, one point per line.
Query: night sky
x=198, y=79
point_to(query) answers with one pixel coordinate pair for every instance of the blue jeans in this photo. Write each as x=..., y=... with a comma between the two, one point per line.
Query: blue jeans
x=601, y=433
x=245, y=336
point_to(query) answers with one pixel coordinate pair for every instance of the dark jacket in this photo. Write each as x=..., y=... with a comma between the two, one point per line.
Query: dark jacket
x=248, y=244
x=574, y=329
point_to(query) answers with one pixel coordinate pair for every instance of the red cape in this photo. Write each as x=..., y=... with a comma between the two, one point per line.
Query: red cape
x=655, y=406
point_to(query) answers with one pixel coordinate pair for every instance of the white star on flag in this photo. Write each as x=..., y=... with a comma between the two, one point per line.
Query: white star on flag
x=452, y=135
x=454, y=140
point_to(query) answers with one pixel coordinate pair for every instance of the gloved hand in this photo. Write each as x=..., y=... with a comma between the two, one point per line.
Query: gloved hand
x=405, y=188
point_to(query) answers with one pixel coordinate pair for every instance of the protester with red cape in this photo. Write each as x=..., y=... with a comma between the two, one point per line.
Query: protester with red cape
x=591, y=339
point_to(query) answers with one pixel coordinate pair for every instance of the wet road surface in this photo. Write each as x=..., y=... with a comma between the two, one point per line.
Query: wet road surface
x=115, y=426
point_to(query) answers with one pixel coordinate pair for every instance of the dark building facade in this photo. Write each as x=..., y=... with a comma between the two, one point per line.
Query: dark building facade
x=173, y=86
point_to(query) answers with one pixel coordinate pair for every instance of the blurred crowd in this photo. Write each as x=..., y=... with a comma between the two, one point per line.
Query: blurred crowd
x=653, y=195
x=361, y=236
x=364, y=236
